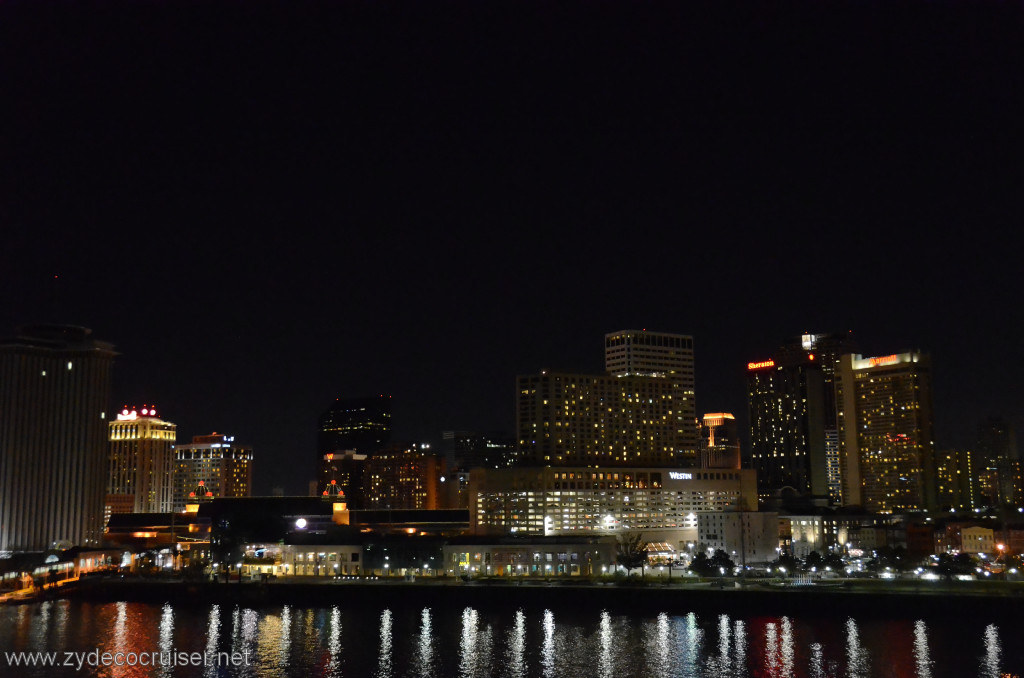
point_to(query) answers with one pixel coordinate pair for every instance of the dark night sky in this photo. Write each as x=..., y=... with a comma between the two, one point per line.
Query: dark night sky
x=265, y=206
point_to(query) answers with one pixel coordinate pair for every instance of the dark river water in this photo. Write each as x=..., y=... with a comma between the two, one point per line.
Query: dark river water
x=385, y=642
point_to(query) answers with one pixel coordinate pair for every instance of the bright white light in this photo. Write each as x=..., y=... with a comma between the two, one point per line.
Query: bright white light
x=300, y=523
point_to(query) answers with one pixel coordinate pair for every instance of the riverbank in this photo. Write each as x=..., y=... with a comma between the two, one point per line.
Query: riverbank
x=863, y=598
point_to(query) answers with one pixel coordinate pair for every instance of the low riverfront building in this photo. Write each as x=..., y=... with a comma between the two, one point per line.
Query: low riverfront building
x=662, y=503
x=533, y=556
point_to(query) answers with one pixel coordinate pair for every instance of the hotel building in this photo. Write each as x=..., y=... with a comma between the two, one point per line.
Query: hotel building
x=954, y=486
x=659, y=354
x=141, y=462
x=589, y=420
x=662, y=503
x=215, y=461
x=794, y=440
x=54, y=392
x=885, y=432
x=401, y=477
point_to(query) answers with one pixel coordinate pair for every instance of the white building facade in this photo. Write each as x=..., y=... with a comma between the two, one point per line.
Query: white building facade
x=661, y=503
x=748, y=537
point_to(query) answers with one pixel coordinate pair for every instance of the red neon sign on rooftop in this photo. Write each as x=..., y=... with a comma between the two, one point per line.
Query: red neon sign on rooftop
x=761, y=365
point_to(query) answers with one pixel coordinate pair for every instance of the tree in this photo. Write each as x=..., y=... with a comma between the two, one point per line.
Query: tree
x=722, y=562
x=702, y=565
x=718, y=564
x=961, y=563
x=892, y=558
x=631, y=552
x=788, y=562
x=835, y=561
x=814, y=561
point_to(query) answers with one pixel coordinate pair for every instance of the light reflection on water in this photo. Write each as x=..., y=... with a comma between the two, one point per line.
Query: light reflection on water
x=771, y=653
x=166, y=636
x=856, y=656
x=384, y=662
x=922, y=659
x=740, y=644
x=212, y=638
x=817, y=663
x=604, y=663
x=424, y=657
x=516, y=660
x=548, y=651
x=691, y=645
x=656, y=641
x=333, y=643
x=441, y=642
x=990, y=663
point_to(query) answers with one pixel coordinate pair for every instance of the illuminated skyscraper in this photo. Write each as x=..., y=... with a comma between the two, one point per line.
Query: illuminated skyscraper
x=794, y=440
x=720, y=441
x=590, y=420
x=54, y=394
x=670, y=356
x=885, y=432
x=995, y=465
x=141, y=462
x=402, y=477
x=361, y=425
x=953, y=486
x=223, y=467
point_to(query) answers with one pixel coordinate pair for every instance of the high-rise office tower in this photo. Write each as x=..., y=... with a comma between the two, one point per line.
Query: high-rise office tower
x=469, y=450
x=141, y=462
x=954, y=488
x=596, y=420
x=720, y=441
x=670, y=356
x=54, y=394
x=996, y=467
x=794, y=440
x=402, y=477
x=361, y=425
x=996, y=440
x=222, y=466
x=885, y=432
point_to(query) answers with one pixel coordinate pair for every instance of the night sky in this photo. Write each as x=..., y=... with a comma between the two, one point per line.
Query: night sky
x=267, y=206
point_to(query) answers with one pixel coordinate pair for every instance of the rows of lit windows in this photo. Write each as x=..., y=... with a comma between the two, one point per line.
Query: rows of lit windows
x=586, y=511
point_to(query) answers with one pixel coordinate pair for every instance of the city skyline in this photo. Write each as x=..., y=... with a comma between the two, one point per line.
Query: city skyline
x=430, y=203
x=434, y=436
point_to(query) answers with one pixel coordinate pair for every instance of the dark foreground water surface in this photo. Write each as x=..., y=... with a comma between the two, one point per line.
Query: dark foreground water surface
x=390, y=642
